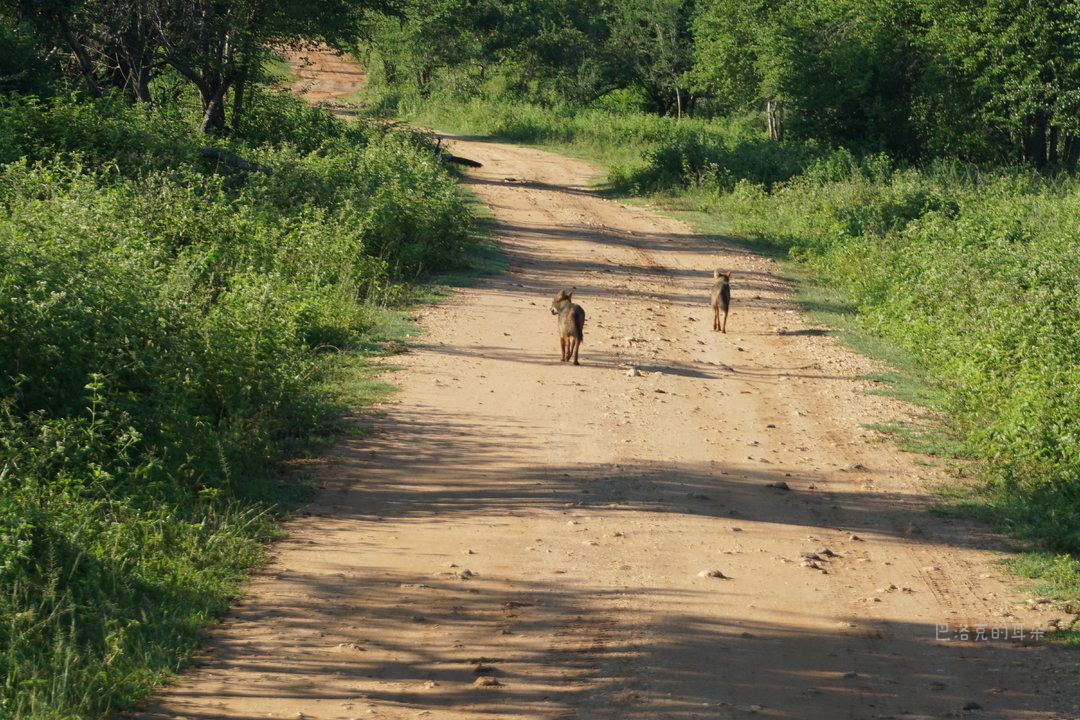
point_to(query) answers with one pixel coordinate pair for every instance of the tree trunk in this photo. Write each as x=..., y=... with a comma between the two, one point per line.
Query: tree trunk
x=213, y=104
x=1072, y=151
x=212, y=86
x=774, y=113
x=141, y=86
x=135, y=71
x=678, y=103
x=139, y=62
x=1035, y=142
x=137, y=51
x=239, y=88
x=85, y=65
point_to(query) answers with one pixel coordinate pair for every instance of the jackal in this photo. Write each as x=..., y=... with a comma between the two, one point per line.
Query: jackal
x=571, y=324
x=720, y=299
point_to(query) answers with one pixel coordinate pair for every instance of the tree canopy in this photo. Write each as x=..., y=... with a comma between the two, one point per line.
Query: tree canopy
x=217, y=45
x=997, y=81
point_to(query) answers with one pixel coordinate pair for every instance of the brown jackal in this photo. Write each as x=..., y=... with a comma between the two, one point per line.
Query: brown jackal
x=571, y=324
x=721, y=299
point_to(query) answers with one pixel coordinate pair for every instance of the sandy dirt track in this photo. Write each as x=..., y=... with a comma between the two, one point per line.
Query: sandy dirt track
x=522, y=538
x=323, y=75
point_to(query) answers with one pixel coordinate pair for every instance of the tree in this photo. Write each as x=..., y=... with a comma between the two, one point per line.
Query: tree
x=841, y=71
x=561, y=52
x=209, y=43
x=1003, y=79
x=58, y=23
x=651, y=41
x=428, y=36
x=735, y=56
x=22, y=66
x=217, y=45
x=124, y=40
x=849, y=72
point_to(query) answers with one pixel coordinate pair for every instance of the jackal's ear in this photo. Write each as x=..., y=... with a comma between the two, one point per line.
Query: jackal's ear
x=716, y=274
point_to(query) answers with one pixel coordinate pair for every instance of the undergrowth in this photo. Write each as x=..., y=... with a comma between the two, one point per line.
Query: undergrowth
x=171, y=328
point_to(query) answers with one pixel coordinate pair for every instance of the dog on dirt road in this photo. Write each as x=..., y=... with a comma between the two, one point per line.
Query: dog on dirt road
x=571, y=324
x=720, y=299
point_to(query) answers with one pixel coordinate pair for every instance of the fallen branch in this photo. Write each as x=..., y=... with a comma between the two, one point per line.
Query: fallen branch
x=447, y=157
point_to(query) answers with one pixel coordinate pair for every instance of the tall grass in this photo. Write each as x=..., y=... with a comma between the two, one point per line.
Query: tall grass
x=167, y=327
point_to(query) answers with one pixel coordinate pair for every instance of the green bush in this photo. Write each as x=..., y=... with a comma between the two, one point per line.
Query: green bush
x=108, y=133
x=22, y=68
x=692, y=157
x=975, y=276
x=167, y=325
x=279, y=118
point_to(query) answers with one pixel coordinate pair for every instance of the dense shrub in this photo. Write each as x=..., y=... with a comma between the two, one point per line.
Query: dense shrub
x=617, y=137
x=108, y=133
x=22, y=67
x=975, y=276
x=166, y=325
x=694, y=156
x=276, y=118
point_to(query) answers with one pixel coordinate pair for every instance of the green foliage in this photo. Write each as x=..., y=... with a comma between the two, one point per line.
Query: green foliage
x=22, y=67
x=973, y=276
x=544, y=48
x=734, y=51
x=107, y=132
x=276, y=118
x=650, y=45
x=1002, y=80
x=701, y=156
x=916, y=79
x=168, y=330
x=219, y=48
x=846, y=69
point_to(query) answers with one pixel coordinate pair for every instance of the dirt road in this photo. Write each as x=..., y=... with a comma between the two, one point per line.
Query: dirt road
x=323, y=75
x=545, y=528
x=522, y=538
